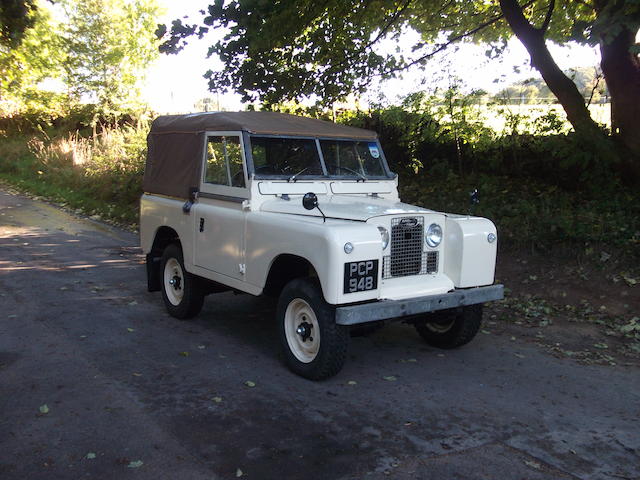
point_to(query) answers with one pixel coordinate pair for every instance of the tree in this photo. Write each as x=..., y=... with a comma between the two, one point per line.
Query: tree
x=23, y=66
x=290, y=49
x=109, y=44
x=16, y=17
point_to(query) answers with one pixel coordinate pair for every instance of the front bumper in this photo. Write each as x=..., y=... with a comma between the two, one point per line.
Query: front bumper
x=387, y=309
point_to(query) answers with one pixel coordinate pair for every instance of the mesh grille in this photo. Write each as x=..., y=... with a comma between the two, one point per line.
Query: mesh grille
x=407, y=257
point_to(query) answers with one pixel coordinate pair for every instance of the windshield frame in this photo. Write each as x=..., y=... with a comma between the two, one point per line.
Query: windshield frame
x=389, y=175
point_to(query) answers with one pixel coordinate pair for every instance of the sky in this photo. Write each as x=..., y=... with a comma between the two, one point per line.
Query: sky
x=174, y=83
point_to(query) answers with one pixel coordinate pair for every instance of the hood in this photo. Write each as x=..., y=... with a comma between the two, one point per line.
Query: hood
x=344, y=207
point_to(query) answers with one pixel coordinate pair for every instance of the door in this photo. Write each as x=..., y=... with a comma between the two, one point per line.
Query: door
x=219, y=213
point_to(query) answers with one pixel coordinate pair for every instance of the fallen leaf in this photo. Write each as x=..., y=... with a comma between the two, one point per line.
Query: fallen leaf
x=44, y=409
x=90, y=456
x=130, y=330
x=532, y=464
x=412, y=360
x=133, y=303
x=201, y=347
x=217, y=399
x=136, y=374
x=249, y=383
x=135, y=464
x=602, y=346
x=390, y=378
x=352, y=382
x=239, y=473
x=184, y=354
x=13, y=315
x=519, y=355
x=64, y=288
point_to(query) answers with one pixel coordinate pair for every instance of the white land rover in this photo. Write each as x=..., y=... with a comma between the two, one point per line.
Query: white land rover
x=308, y=211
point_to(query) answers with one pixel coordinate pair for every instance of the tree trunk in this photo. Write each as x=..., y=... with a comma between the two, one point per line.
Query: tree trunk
x=561, y=85
x=621, y=70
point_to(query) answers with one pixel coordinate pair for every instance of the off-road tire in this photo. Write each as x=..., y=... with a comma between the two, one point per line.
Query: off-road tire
x=192, y=297
x=464, y=325
x=334, y=338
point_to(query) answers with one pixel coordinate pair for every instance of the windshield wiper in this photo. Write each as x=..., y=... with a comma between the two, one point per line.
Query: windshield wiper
x=362, y=177
x=293, y=177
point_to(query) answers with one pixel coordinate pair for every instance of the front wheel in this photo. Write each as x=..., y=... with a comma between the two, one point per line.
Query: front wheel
x=314, y=346
x=181, y=291
x=450, y=328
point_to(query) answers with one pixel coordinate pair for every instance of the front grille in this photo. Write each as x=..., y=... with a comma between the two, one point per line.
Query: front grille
x=407, y=257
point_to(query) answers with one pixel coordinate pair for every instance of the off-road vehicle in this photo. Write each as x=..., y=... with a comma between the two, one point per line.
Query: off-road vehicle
x=307, y=211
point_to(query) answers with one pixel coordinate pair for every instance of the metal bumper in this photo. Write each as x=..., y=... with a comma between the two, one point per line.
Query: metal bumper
x=386, y=309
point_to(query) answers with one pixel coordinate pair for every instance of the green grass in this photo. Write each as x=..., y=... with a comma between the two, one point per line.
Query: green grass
x=96, y=176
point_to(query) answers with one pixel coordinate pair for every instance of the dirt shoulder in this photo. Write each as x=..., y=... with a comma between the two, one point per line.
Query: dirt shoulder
x=585, y=307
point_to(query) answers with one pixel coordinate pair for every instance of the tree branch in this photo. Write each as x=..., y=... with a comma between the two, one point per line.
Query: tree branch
x=547, y=19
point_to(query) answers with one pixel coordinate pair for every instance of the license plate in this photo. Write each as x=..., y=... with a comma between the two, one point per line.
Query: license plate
x=360, y=276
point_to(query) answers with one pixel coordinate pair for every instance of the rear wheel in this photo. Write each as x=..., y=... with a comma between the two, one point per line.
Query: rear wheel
x=181, y=291
x=314, y=346
x=450, y=328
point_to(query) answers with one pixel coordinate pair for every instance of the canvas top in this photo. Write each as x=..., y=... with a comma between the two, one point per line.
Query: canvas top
x=264, y=123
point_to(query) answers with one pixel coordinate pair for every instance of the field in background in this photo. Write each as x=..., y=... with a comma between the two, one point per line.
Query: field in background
x=496, y=116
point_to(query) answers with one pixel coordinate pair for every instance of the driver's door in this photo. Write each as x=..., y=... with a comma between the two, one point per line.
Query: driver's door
x=219, y=213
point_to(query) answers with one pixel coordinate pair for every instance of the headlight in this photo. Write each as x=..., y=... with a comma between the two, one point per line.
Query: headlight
x=384, y=233
x=433, y=237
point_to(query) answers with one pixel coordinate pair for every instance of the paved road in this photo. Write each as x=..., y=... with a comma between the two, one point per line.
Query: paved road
x=79, y=333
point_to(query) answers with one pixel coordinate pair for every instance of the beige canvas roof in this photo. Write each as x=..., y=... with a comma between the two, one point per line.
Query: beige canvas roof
x=175, y=145
x=265, y=123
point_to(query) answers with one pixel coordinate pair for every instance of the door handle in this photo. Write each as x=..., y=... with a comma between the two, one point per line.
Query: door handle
x=202, y=225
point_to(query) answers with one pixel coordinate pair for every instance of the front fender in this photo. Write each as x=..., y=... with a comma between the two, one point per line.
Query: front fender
x=320, y=243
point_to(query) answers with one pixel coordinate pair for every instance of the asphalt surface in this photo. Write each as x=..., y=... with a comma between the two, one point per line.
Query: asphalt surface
x=132, y=392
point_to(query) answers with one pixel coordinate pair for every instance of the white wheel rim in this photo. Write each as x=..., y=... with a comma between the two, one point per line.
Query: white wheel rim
x=173, y=281
x=302, y=330
x=440, y=327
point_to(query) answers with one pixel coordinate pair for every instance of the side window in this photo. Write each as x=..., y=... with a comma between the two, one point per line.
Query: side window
x=224, y=161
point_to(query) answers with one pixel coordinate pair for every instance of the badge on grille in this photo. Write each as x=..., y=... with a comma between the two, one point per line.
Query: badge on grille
x=408, y=222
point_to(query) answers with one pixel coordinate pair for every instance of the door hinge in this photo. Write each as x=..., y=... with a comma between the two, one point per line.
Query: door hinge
x=242, y=267
x=202, y=224
x=246, y=204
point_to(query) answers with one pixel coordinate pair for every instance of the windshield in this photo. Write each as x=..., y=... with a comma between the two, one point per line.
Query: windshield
x=291, y=158
x=351, y=158
x=285, y=156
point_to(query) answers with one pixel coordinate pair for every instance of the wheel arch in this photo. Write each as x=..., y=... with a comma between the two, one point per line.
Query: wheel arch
x=163, y=237
x=286, y=267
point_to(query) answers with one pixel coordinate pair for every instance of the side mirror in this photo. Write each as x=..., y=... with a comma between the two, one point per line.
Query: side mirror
x=474, y=199
x=310, y=201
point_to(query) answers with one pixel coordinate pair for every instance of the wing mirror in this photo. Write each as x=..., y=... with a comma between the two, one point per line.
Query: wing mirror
x=310, y=201
x=474, y=199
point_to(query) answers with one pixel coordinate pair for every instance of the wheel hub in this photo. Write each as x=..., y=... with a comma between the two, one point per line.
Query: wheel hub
x=175, y=282
x=304, y=330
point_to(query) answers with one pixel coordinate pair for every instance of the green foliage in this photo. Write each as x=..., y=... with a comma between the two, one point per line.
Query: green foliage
x=16, y=16
x=109, y=44
x=99, y=175
x=292, y=49
x=39, y=56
